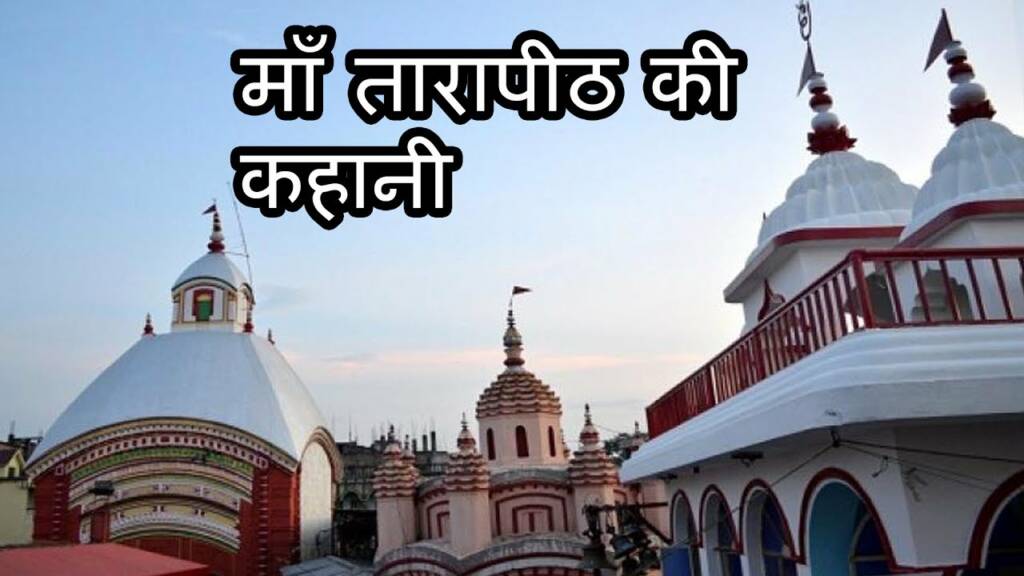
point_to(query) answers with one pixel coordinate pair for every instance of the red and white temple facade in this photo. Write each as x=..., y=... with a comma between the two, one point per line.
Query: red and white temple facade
x=868, y=420
x=510, y=507
x=201, y=443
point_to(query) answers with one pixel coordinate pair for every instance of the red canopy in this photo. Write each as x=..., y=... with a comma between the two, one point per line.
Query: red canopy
x=93, y=560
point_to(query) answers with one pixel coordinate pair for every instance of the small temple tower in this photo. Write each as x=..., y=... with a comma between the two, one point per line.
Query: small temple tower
x=520, y=416
x=467, y=482
x=212, y=293
x=842, y=202
x=592, y=474
x=975, y=191
x=394, y=483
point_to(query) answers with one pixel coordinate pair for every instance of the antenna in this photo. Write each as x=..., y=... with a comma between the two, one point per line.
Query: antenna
x=241, y=233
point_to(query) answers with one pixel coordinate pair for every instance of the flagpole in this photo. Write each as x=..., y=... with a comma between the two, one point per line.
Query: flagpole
x=241, y=233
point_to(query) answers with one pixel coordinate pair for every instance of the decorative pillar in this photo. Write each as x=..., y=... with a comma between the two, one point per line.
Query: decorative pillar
x=467, y=483
x=592, y=473
x=394, y=482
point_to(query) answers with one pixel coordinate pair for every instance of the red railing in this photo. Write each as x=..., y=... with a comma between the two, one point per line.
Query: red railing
x=866, y=290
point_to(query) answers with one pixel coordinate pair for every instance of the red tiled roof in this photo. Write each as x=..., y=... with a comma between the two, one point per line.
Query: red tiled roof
x=93, y=560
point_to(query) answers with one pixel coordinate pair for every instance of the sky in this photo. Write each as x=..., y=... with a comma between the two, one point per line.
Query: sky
x=119, y=120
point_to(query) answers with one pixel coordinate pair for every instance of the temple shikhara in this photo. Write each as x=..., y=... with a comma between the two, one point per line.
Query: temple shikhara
x=200, y=443
x=868, y=419
x=510, y=505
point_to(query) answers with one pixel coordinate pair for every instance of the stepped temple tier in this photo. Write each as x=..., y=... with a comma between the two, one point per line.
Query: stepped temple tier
x=200, y=443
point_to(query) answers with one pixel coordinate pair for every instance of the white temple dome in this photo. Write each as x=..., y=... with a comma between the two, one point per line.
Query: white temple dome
x=840, y=189
x=236, y=379
x=213, y=266
x=983, y=160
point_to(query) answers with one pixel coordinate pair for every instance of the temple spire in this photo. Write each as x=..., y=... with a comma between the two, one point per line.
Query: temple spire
x=967, y=97
x=828, y=135
x=147, y=330
x=217, y=233
x=512, y=340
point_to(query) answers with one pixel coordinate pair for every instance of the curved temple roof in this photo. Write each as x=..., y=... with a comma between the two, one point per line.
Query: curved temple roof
x=983, y=160
x=840, y=189
x=214, y=265
x=236, y=379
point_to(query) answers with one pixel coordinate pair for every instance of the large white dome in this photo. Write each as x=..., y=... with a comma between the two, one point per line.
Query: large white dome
x=839, y=190
x=231, y=378
x=983, y=160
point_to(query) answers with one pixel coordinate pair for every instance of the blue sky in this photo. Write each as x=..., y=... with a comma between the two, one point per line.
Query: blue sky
x=118, y=123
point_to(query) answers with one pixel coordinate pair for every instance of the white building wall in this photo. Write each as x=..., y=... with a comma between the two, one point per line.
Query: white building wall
x=929, y=529
x=316, y=501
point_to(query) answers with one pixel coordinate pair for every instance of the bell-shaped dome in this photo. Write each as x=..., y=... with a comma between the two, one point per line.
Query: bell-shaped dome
x=983, y=160
x=840, y=189
x=213, y=266
x=516, y=390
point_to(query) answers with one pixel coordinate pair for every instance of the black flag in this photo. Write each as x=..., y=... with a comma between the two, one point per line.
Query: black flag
x=943, y=38
x=519, y=290
x=212, y=208
x=808, y=71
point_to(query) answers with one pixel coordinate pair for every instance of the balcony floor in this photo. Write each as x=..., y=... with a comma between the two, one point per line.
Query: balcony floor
x=870, y=376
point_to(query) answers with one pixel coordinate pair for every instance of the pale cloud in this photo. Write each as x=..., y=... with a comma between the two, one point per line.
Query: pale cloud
x=443, y=360
x=279, y=297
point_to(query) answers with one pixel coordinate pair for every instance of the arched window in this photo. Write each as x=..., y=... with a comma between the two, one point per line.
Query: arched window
x=724, y=558
x=682, y=558
x=867, y=557
x=844, y=537
x=490, y=445
x=1005, y=553
x=522, y=448
x=775, y=554
x=551, y=441
x=202, y=304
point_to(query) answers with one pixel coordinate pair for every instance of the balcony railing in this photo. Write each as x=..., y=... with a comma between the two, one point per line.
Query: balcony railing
x=881, y=289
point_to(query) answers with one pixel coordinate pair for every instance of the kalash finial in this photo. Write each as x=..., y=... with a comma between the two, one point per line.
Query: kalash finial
x=967, y=97
x=586, y=414
x=512, y=340
x=217, y=233
x=147, y=330
x=270, y=336
x=828, y=134
x=247, y=328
